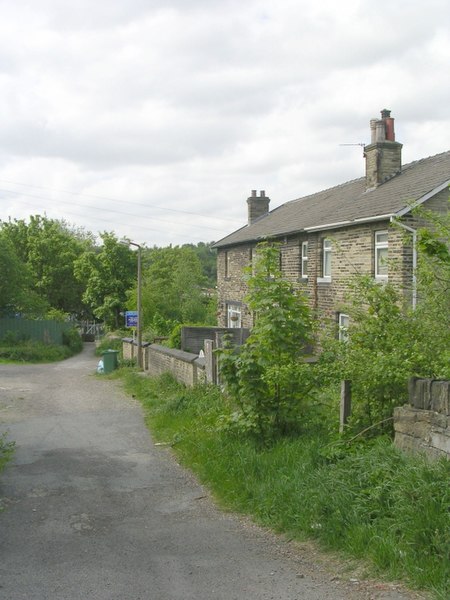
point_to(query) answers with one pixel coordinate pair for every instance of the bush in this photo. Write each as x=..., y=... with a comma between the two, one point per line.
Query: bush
x=108, y=343
x=174, y=340
x=72, y=339
x=34, y=352
x=265, y=377
x=22, y=349
x=387, y=344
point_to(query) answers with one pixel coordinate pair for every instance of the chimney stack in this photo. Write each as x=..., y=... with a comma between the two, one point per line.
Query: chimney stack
x=258, y=206
x=383, y=154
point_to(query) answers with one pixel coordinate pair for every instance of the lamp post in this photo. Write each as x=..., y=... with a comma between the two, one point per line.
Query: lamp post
x=139, y=302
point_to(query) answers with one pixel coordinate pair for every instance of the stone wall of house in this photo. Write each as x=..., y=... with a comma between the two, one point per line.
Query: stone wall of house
x=232, y=288
x=424, y=424
x=352, y=254
x=439, y=202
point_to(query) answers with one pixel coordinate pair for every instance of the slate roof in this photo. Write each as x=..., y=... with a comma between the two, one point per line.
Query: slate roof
x=350, y=203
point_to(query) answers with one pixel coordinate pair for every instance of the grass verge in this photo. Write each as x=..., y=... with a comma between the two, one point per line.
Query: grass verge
x=369, y=501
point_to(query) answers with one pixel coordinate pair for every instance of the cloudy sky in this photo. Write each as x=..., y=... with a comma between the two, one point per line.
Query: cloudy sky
x=156, y=118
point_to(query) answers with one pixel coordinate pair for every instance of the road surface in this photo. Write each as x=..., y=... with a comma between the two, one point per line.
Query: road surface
x=93, y=510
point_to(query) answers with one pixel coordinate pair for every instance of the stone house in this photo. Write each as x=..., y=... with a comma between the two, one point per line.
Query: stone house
x=328, y=237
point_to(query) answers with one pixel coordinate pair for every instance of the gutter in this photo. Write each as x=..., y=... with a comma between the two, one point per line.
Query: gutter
x=414, y=238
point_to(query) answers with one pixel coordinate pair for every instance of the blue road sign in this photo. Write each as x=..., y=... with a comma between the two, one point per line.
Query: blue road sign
x=131, y=318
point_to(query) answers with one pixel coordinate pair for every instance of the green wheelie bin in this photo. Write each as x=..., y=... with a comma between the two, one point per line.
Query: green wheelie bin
x=110, y=360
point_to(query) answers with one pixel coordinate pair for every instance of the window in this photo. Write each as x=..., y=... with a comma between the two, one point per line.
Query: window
x=381, y=254
x=304, y=263
x=234, y=318
x=326, y=266
x=343, y=321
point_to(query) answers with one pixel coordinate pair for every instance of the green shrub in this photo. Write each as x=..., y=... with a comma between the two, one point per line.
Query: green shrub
x=108, y=343
x=72, y=339
x=265, y=377
x=387, y=344
x=12, y=338
x=35, y=352
x=174, y=340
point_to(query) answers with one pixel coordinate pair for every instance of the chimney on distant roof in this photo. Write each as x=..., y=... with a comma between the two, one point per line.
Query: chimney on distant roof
x=383, y=154
x=258, y=206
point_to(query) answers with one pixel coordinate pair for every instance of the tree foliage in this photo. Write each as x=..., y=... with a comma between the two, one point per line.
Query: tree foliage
x=108, y=273
x=173, y=289
x=12, y=288
x=265, y=377
x=208, y=259
x=43, y=251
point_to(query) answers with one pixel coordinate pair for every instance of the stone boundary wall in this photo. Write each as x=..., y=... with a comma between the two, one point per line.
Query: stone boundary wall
x=186, y=367
x=423, y=425
x=130, y=350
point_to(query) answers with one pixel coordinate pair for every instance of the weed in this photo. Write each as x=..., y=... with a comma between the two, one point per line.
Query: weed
x=6, y=451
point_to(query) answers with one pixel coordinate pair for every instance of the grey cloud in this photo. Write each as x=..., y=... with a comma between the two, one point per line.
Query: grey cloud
x=111, y=144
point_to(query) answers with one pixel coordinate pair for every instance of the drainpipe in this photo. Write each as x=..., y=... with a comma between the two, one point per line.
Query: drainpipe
x=414, y=277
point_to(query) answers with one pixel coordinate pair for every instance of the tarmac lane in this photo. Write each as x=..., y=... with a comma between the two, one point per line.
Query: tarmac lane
x=93, y=510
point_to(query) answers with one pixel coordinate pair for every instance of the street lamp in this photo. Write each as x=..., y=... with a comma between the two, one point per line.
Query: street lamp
x=139, y=302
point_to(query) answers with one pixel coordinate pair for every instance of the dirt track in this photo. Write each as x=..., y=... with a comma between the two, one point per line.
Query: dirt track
x=94, y=511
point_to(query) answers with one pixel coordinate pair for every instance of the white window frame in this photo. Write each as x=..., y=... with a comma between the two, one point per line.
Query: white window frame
x=326, y=257
x=304, y=260
x=343, y=323
x=234, y=316
x=378, y=247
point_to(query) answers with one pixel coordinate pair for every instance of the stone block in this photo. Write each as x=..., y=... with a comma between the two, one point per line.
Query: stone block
x=422, y=394
x=405, y=414
x=439, y=420
x=441, y=441
x=440, y=397
x=412, y=390
x=409, y=443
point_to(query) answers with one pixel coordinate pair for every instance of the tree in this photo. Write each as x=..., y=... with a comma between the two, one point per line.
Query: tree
x=173, y=282
x=208, y=259
x=265, y=377
x=108, y=272
x=49, y=248
x=16, y=293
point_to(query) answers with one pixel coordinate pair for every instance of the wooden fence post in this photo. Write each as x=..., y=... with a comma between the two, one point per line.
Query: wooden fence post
x=210, y=362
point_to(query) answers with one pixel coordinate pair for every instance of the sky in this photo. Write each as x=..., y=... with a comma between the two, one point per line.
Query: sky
x=154, y=119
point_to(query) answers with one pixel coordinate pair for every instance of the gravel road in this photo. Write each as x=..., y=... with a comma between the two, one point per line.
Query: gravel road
x=94, y=511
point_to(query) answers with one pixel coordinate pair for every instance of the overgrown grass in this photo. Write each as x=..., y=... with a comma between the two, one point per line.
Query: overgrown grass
x=33, y=352
x=369, y=500
x=109, y=343
x=6, y=451
x=26, y=350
